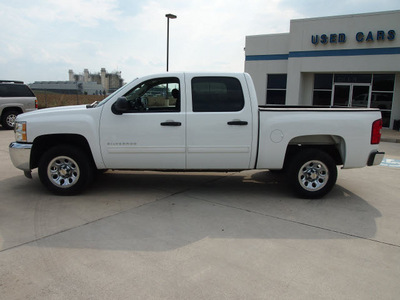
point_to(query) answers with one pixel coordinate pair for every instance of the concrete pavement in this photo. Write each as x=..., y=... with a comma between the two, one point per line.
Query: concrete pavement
x=390, y=136
x=152, y=235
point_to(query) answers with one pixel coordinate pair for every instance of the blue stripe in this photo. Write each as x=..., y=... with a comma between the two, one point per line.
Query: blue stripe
x=267, y=57
x=345, y=52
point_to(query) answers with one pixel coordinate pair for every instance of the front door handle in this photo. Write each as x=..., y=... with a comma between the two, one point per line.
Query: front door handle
x=238, y=122
x=171, y=123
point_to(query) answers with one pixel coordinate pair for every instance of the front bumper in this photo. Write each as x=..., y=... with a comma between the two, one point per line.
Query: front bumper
x=20, y=155
x=375, y=158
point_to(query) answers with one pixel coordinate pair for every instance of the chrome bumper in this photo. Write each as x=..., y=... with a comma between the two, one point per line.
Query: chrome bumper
x=20, y=155
x=375, y=158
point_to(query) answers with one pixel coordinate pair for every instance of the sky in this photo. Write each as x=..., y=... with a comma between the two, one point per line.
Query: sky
x=41, y=40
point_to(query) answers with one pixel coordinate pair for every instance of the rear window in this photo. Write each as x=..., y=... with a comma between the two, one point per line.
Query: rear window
x=217, y=94
x=15, y=90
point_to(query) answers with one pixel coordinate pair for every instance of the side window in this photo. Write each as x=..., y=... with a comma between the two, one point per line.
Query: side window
x=3, y=90
x=15, y=90
x=21, y=90
x=216, y=94
x=155, y=95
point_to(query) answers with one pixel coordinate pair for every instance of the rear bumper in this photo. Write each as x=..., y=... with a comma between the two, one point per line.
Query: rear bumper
x=375, y=158
x=20, y=155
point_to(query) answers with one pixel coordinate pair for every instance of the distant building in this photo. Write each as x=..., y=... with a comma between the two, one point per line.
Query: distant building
x=91, y=84
x=109, y=81
x=68, y=87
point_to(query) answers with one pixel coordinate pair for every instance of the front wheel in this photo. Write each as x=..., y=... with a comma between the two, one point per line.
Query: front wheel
x=312, y=173
x=65, y=170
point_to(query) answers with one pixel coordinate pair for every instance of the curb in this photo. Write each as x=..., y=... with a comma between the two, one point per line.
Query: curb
x=389, y=140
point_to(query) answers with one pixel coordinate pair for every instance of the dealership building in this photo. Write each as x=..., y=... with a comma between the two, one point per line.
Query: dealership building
x=350, y=61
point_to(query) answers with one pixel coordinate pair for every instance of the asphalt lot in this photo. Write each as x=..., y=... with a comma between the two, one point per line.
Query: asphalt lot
x=150, y=235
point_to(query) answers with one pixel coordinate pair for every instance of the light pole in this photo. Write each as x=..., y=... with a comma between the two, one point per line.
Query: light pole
x=169, y=16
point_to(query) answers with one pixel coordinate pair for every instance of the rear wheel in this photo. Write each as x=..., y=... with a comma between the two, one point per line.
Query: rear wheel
x=65, y=170
x=8, y=119
x=312, y=173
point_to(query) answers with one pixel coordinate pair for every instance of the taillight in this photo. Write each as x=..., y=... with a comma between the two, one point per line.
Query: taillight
x=36, y=104
x=376, y=132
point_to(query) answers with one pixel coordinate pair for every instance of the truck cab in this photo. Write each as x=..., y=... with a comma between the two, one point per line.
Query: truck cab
x=181, y=121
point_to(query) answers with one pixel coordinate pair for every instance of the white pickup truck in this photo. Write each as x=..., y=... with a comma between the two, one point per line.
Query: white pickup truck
x=194, y=121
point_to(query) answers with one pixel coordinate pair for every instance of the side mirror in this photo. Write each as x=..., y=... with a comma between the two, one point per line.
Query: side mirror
x=120, y=106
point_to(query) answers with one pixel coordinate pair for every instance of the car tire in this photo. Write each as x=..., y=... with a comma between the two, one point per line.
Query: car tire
x=65, y=170
x=312, y=173
x=8, y=119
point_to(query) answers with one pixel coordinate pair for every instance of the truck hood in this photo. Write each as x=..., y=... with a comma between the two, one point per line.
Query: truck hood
x=42, y=113
x=51, y=110
x=75, y=119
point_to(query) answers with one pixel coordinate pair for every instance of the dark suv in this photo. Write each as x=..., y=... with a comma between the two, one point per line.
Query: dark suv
x=15, y=98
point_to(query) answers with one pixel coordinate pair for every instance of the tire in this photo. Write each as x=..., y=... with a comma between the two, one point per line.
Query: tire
x=65, y=170
x=312, y=173
x=8, y=119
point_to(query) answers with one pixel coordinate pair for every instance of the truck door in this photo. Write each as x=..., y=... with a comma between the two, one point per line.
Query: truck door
x=151, y=134
x=219, y=123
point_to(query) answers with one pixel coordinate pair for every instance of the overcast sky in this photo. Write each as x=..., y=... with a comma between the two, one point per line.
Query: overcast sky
x=41, y=40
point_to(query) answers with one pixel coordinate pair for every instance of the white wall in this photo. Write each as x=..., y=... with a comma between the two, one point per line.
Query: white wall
x=270, y=44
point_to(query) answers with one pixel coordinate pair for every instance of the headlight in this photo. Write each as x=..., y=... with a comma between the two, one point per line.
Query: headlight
x=20, y=131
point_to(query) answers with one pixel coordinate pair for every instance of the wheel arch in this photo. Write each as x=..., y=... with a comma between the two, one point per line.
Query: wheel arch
x=43, y=143
x=334, y=146
x=11, y=108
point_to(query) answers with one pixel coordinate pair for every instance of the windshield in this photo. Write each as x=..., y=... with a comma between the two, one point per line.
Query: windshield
x=111, y=95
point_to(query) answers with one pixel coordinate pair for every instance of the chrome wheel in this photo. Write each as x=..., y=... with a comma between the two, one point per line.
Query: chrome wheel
x=63, y=172
x=313, y=175
x=10, y=120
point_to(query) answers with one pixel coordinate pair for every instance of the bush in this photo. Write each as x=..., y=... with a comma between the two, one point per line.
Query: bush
x=53, y=99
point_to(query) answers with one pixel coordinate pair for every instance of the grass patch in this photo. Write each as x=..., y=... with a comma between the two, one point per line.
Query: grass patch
x=46, y=99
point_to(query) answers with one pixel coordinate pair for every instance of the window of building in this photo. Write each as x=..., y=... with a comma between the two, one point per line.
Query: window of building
x=322, y=95
x=352, y=78
x=356, y=90
x=216, y=94
x=383, y=82
x=382, y=95
x=276, y=88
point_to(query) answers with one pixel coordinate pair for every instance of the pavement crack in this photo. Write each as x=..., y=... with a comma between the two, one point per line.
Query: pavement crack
x=38, y=239
x=300, y=223
x=73, y=228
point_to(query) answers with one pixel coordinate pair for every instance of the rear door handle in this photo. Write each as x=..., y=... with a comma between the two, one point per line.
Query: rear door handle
x=171, y=123
x=237, y=122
